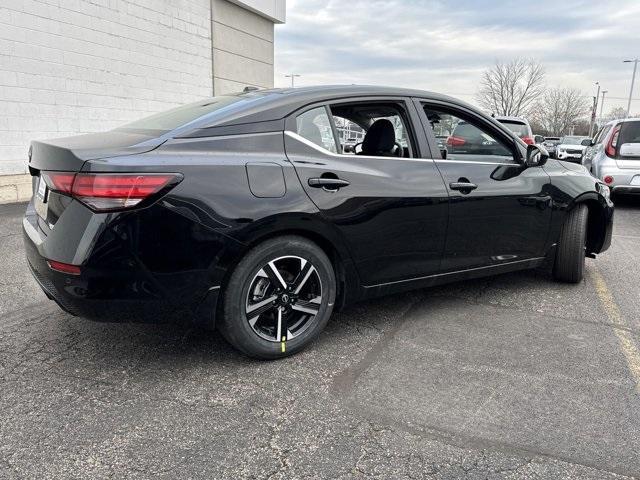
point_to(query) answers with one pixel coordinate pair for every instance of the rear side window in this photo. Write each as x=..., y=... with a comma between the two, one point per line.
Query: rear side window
x=314, y=126
x=377, y=129
x=602, y=134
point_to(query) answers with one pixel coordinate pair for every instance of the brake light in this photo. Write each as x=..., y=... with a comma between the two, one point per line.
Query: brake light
x=110, y=191
x=456, y=141
x=64, y=267
x=612, y=144
x=113, y=191
x=528, y=140
x=59, y=181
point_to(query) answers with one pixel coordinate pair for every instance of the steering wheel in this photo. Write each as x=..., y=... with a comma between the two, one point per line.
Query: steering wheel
x=399, y=150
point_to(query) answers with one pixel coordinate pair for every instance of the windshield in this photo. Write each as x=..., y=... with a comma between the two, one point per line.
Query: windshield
x=572, y=140
x=520, y=129
x=179, y=116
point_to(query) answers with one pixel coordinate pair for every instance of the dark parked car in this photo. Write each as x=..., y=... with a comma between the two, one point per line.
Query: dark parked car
x=550, y=143
x=241, y=211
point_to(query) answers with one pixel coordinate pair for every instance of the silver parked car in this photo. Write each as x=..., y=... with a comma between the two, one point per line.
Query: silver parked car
x=614, y=156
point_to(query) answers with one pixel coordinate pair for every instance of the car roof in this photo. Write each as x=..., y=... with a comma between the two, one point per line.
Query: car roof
x=277, y=103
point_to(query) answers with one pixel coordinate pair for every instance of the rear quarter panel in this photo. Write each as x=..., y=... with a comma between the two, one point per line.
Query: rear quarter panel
x=216, y=191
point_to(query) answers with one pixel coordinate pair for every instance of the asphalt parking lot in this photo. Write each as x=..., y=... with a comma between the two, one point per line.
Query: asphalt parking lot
x=509, y=377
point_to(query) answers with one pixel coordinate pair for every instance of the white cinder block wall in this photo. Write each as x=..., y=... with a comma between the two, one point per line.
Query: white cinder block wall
x=78, y=66
x=242, y=47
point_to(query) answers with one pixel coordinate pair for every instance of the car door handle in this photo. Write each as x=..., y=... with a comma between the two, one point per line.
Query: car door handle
x=464, y=187
x=328, y=183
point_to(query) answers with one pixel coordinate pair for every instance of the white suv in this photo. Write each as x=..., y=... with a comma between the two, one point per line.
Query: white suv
x=614, y=156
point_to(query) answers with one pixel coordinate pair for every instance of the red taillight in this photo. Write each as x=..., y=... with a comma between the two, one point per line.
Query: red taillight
x=64, y=267
x=109, y=191
x=456, y=141
x=608, y=179
x=528, y=140
x=59, y=181
x=612, y=144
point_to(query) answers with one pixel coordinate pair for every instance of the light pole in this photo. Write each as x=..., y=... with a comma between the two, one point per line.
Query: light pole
x=633, y=80
x=595, y=108
x=292, y=76
x=602, y=104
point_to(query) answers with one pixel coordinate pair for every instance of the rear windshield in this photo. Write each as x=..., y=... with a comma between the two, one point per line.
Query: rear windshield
x=520, y=129
x=629, y=133
x=179, y=116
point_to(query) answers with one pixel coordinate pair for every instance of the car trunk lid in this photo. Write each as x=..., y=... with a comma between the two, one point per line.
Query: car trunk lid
x=69, y=154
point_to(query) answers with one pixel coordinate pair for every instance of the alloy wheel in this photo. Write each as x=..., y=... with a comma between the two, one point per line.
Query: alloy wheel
x=283, y=299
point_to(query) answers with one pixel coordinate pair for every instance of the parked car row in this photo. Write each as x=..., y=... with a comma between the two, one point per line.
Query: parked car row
x=612, y=155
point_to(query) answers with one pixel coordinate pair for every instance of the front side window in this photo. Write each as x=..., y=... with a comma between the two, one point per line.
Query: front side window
x=314, y=126
x=465, y=139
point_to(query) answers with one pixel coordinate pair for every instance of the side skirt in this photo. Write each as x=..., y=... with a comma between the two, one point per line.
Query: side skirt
x=370, y=291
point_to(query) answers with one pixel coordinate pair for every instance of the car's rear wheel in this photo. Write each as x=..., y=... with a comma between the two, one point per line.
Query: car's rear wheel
x=278, y=298
x=570, y=253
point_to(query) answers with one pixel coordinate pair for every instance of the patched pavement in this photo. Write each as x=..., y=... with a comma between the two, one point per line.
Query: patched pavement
x=508, y=377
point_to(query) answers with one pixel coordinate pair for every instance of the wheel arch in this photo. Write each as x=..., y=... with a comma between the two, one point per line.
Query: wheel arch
x=596, y=220
x=319, y=232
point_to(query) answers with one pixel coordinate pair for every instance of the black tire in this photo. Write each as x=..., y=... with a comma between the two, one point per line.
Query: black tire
x=570, y=253
x=234, y=324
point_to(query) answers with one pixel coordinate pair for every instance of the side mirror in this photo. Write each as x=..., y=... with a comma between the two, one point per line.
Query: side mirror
x=538, y=139
x=536, y=156
x=586, y=142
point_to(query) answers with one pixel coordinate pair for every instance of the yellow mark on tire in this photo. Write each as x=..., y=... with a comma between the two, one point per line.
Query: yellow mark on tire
x=283, y=344
x=627, y=345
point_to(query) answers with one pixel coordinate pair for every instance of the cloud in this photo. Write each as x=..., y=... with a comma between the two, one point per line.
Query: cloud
x=445, y=45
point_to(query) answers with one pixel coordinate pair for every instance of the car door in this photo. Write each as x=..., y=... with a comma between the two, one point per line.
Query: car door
x=392, y=211
x=499, y=211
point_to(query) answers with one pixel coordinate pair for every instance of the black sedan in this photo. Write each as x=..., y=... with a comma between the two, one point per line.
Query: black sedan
x=245, y=212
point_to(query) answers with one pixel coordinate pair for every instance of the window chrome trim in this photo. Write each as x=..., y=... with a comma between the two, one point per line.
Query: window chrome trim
x=512, y=164
x=224, y=137
x=324, y=151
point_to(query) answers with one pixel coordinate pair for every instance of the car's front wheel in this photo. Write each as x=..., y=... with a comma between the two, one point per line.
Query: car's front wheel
x=570, y=252
x=278, y=298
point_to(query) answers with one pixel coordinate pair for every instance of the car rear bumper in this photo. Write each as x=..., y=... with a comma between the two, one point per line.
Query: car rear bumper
x=625, y=180
x=626, y=189
x=121, y=286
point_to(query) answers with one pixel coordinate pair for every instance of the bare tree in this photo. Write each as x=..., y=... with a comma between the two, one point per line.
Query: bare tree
x=511, y=88
x=560, y=108
x=615, y=114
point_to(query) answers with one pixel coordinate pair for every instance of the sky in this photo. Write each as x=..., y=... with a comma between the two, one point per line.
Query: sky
x=444, y=46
